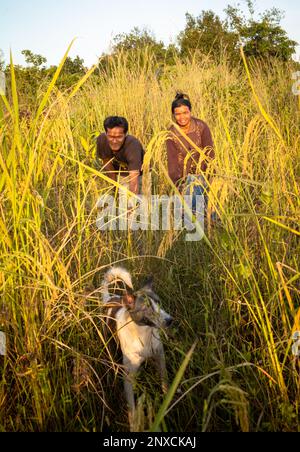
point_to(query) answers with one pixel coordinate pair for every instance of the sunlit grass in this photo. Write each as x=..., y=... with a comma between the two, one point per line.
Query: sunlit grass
x=235, y=294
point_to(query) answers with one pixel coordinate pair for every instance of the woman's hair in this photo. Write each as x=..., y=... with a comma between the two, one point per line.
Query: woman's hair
x=180, y=100
x=116, y=121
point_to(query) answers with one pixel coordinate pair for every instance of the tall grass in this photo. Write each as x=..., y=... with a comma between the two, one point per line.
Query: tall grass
x=236, y=293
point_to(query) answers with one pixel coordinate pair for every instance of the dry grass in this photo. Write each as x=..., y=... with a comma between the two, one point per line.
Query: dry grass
x=236, y=292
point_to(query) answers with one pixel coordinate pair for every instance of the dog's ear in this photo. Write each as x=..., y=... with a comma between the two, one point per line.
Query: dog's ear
x=129, y=300
x=148, y=285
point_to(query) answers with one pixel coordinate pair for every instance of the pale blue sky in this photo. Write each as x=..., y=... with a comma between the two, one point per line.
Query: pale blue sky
x=47, y=27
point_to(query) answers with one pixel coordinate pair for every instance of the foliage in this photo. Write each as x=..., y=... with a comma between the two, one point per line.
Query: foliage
x=203, y=36
x=34, y=77
x=236, y=293
x=34, y=59
x=208, y=34
x=134, y=43
x=263, y=38
x=137, y=39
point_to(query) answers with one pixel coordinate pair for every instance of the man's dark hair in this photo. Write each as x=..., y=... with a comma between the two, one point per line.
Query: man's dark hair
x=116, y=121
x=180, y=100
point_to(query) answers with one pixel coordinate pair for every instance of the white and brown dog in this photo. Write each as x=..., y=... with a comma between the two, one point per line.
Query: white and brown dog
x=138, y=318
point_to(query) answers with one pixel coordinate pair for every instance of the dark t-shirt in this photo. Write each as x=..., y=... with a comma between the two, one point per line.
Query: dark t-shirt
x=129, y=158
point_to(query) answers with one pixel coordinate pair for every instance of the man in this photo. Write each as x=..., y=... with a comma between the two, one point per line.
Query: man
x=122, y=154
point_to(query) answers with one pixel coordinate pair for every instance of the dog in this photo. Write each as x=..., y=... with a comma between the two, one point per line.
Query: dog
x=138, y=319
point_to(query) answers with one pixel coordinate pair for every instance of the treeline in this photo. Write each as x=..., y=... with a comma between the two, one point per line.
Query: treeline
x=262, y=38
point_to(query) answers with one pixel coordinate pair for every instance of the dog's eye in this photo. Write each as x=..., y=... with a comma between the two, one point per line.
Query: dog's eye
x=147, y=322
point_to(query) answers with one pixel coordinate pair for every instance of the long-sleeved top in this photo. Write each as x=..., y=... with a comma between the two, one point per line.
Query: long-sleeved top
x=179, y=166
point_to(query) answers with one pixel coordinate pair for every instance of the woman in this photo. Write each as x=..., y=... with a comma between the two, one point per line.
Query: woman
x=190, y=149
x=183, y=155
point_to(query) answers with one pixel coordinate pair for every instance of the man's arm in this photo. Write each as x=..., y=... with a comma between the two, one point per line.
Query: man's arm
x=135, y=163
x=134, y=181
x=102, y=154
x=109, y=169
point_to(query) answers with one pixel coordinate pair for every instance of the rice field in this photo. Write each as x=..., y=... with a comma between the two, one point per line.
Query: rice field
x=235, y=295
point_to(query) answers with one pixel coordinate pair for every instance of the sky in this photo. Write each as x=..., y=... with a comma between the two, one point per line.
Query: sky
x=48, y=27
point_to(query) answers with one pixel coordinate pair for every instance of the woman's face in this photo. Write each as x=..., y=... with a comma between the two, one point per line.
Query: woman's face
x=183, y=116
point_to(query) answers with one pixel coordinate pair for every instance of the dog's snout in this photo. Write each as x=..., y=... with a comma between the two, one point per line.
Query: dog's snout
x=169, y=321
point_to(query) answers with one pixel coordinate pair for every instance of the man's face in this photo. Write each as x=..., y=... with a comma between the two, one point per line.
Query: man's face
x=116, y=138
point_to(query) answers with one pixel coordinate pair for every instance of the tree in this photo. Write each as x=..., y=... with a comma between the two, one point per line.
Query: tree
x=138, y=40
x=261, y=38
x=34, y=78
x=208, y=34
x=75, y=66
x=34, y=59
x=71, y=73
x=29, y=78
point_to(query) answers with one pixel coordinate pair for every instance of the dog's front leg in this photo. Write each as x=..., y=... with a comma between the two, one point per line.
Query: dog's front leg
x=129, y=381
x=160, y=361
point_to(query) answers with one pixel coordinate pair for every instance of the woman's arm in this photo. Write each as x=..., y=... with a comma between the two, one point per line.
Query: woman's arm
x=174, y=170
x=208, y=146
